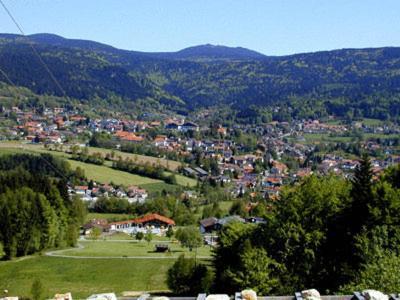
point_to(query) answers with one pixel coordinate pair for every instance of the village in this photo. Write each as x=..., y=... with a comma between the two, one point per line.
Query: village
x=219, y=157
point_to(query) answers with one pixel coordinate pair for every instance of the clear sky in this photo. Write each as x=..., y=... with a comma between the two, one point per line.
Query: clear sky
x=272, y=27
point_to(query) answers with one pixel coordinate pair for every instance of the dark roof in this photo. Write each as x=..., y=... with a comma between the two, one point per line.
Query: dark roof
x=201, y=171
x=190, y=124
x=209, y=222
x=189, y=170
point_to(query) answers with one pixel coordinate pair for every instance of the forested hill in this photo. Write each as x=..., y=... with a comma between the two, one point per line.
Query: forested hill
x=356, y=81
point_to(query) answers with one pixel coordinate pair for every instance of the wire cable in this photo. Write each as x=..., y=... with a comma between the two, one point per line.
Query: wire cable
x=34, y=50
x=6, y=77
x=45, y=67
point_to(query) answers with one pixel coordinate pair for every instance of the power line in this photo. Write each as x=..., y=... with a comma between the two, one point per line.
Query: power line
x=6, y=77
x=43, y=159
x=33, y=49
x=46, y=68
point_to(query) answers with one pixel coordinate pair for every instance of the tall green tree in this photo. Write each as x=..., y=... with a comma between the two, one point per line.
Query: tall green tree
x=187, y=278
x=257, y=270
x=189, y=237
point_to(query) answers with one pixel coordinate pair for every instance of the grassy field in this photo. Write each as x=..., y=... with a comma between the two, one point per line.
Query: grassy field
x=118, y=236
x=134, y=248
x=109, y=217
x=105, y=174
x=169, y=164
x=184, y=181
x=324, y=137
x=83, y=277
x=372, y=122
x=102, y=174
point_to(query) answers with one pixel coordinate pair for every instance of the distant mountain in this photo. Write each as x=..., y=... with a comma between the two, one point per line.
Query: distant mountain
x=201, y=52
x=344, y=82
x=213, y=52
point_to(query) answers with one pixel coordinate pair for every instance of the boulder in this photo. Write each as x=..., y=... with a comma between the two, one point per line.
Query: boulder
x=374, y=295
x=218, y=297
x=249, y=295
x=311, y=294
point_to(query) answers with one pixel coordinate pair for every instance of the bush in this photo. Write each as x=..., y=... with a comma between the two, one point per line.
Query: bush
x=187, y=278
x=139, y=235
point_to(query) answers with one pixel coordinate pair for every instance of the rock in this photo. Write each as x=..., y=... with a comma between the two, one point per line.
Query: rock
x=66, y=296
x=249, y=295
x=104, y=296
x=160, y=298
x=218, y=297
x=374, y=295
x=311, y=294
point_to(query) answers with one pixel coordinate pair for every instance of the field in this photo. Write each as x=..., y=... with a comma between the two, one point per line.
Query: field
x=315, y=138
x=109, y=217
x=82, y=276
x=169, y=164
x=130, y=248
x=102, y=174
x=109, y=266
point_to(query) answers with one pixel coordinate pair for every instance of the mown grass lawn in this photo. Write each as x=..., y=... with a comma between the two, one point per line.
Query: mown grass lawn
x=116, y=249
x=86, y=276
x=105, y=174
x=185, y=181
x=83, y=277
x=108, y=216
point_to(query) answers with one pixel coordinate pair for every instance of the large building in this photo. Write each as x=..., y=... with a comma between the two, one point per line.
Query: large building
x=156, y=223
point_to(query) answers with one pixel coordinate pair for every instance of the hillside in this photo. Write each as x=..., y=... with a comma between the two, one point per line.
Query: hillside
x=356, y=81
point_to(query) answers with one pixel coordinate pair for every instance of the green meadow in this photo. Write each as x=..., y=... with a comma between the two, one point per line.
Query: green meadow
x=109, y=268
x=83, y=277
x=104, y=173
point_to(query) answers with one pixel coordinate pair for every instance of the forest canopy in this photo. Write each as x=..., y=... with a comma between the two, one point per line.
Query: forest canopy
x=36, y=212
x=328, y=233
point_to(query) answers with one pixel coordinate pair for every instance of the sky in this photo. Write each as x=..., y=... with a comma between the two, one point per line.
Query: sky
x=276, y=27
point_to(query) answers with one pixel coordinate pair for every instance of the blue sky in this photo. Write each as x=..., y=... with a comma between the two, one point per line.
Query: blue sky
x=272, y=27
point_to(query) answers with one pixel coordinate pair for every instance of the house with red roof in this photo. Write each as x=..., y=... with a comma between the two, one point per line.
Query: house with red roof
x=128, y=136
x=156, y=223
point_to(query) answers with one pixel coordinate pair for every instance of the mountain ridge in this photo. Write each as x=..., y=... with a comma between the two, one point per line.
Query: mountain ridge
x=191, y=52
x=344, y=80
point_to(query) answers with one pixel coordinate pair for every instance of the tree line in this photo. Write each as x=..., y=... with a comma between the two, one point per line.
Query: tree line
x=147, y=169
x=333, y=234
x=325, y=232
x=36, y=212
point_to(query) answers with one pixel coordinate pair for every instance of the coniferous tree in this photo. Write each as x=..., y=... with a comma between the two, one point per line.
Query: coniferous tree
x=361, y=194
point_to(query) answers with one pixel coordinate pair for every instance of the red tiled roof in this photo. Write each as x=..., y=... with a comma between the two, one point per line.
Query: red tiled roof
x=133, y=138
x=273, y=180
x=151, y=217
x=147, y=218
x=81, y=187
x=128, y=136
